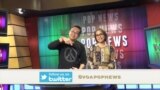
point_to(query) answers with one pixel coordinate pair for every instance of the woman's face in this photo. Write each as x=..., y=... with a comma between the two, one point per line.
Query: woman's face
x=100, y=37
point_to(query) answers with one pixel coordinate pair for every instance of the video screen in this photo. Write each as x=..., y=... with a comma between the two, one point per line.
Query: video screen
x=153, y=45
x=125, y=29
x=3, y=23
x=4, y=51
x=4, y=87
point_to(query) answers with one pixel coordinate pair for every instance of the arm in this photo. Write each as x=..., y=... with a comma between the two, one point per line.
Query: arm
x=113, y=54
x=83, y=58
x=112, y=65
x=90, y=57
x=54, y=45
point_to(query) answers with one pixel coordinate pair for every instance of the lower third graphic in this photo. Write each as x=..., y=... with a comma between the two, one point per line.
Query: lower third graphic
x=55, y=76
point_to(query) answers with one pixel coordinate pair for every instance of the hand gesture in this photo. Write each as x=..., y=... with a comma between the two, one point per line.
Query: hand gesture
x=66, y=40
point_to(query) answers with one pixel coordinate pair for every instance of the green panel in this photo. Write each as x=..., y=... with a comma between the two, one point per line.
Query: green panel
x=44, y=26
x=49, y=62
x=152, y=41
x=60, y=25
x=40, y=26
x=43, y=46
x=50, y=29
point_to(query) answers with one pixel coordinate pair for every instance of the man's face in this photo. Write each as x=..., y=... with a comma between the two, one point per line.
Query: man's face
x=74, y=33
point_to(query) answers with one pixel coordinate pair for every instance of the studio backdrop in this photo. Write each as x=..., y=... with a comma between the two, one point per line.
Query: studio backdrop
x=124, y=26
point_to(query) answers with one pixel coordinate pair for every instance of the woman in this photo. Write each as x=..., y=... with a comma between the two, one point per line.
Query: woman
x=101, y=55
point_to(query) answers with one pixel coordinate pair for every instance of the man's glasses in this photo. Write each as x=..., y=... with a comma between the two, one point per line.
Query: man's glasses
x=99, y=34
x=77, y=33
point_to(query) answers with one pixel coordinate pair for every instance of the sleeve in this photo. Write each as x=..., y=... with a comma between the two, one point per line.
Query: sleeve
x=54, y=45
x=83, y=57
x=90, y=54
x=90, y=57
x=113, y=53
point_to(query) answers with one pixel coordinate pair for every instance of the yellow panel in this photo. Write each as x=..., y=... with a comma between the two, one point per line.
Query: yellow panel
x=19, y=62
x=18, y=30
x=24, y=62
x=17, y=20
x=9, y=39
x=23, y=51
x=4, y=40
x=10, y=30
x=21, y=41
x=13, y=63
x=12, y=52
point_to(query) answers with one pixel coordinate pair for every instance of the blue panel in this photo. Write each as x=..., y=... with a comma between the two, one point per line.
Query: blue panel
x=132, y=86
x=28, y=87
x=37, y=88
x=16, y=87
x=11, y=87
x=156, y=86
x=145, y=86
x=120, y=86
x=106, y=86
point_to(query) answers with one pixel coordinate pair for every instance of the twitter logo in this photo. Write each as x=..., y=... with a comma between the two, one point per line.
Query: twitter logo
x=43, y=77
x=55, y=76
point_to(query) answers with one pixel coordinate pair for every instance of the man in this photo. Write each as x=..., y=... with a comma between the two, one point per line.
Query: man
x=72, y=53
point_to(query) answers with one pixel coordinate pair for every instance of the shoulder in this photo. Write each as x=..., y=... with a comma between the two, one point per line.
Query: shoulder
x=78, y=42
x=92, y=47
x=79, y=45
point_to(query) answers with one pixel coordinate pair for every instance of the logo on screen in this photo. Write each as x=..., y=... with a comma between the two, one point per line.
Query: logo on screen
x=4, y=87
x=2, y=22
x=55, y=76
x=1, y=87
x=3, y=55
x=0, y=53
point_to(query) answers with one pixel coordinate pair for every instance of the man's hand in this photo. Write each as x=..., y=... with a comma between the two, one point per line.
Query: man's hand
x=82, y=66
x=66, y=40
